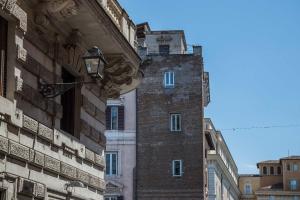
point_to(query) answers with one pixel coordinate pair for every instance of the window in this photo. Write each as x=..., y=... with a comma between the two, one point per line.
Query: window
x=113, y=198
x=295, y=167
x=272, y=198
x=164, y=49
x=278, y=170
x=3, y=56
x=111, y=163
x=67, y=121
x=175, y=122
x=264, y=170
x=272, y=170
x=248, y=189
x=115, y=118
x=288, y=167
x=177, y=168
x=169, y=79
x=293, y=184
x=296, y=198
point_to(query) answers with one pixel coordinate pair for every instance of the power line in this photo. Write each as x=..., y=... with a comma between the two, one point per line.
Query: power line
x=261, y=127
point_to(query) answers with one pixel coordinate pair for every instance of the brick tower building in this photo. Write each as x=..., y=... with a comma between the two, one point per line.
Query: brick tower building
x=170, y=102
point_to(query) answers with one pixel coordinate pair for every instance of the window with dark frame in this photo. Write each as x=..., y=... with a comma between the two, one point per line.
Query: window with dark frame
x=272, y=170
x=111, y=159
x=164, y=49
x=67, y=122
x=177, y=167
x=175, y=122
x=115, y=117
x=3, y=55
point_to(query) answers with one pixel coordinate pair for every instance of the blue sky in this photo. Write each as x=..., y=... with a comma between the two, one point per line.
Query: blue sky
x=252, y=51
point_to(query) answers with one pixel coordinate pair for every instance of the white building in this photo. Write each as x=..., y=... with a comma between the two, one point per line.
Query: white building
x=120, y=147
x=222, y=172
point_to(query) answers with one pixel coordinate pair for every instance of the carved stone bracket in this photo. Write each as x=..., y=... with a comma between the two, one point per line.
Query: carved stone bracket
x=12, y=8
x=59, y=9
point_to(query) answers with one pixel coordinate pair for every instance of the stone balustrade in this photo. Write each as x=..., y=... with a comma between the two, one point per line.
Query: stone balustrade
x=121, y=19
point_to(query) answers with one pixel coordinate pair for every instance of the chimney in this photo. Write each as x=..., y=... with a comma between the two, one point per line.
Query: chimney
x=197, y=50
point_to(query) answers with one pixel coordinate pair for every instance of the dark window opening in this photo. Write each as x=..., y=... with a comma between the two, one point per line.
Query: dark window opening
x=271, y=170
x=115, y=117
x=68, y=103
x=164, y=49
x=264, y=170
x=288, y=167
x=3, y=56
x=278, y=170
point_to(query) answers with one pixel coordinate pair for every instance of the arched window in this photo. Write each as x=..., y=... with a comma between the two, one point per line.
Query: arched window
x=264, y=170
x=272, y=170
x=278, y=170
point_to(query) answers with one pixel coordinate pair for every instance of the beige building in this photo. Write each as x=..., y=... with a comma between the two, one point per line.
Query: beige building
x=221, y=170
x=52, y=107
x=277, y=180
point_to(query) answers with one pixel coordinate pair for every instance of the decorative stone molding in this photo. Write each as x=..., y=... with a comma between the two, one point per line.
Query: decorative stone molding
x=39, y=159
x=83, y=176
x=52, y=164
x=45, y=132
x=30, y=124
x=18, y=150
x=99, y=160
x=4, y=144
x=39, y=190
x=89, y=155
x=68, y=170
x=22, y=53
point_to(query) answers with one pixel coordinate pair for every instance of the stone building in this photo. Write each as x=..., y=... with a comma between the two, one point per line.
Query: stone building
x=222, y=172
x=170, y=103
x=53, y=148
x=121, y=147
x=277, y=180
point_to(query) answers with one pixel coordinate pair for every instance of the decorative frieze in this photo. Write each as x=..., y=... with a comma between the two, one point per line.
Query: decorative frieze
x=97, y=182
x=45, y=132
x=68, y=170
x=30, y=124
x=99, y=160
x=31, y=155
x=22, y=53
x=39, y=159
x=18, y=150
x=3, y=144
x=89, y=155
x=83, y=176
x=10, y=4
x=39, y=190
x=52, y=164
x=21, y=15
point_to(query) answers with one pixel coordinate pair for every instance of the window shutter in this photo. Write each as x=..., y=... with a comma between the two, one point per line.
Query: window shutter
x=108, y=117
x=121, y=118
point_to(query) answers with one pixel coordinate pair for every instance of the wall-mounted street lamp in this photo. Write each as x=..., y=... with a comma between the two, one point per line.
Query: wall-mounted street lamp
x=94, y=62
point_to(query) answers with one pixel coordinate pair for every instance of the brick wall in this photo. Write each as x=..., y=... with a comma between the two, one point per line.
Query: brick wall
x=157, y=146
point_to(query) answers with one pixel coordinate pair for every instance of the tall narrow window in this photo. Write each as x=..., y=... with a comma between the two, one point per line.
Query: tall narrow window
x=115, y=118
x=111, y=163
x=248, y=189
x=293, y=184
x=288, y=167
x=169, y=79
x=264, y=170
x=3, y=56
x=68, y=103
x=164, y=49
x=295, y=167
x=175, y=122
x=278, y=170
x=177, y=167
x=272, y=170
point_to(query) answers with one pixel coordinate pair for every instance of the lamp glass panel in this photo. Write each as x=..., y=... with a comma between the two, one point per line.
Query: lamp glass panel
x=92, y=65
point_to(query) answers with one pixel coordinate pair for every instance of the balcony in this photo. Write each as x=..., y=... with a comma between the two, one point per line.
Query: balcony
x=121, y=20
